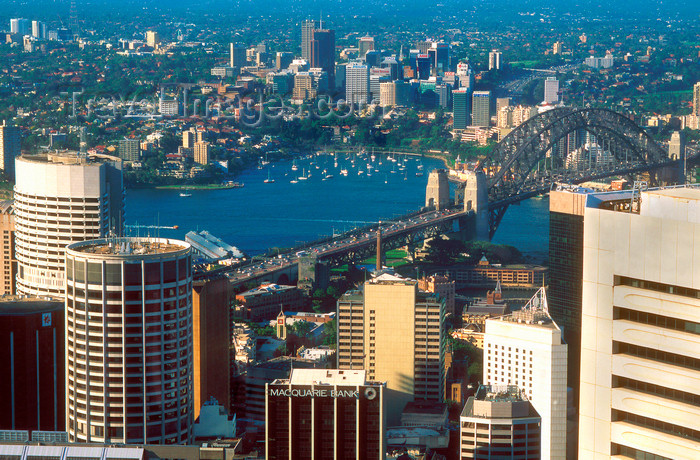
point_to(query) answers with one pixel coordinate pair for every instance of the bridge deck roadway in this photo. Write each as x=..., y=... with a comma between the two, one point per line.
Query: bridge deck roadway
x=345, y=247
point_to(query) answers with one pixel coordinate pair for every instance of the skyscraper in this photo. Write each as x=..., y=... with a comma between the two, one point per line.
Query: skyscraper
x=307, y=33
x=566, y=272
x=394, y=331
x=499, y=422
x=696, y=99
x=10, y=148
x=551, y=90
x=423, y=66
x=152, y=38
x=365, y=44
x=283, y=59
x=62, y=199
x=201, y=152
x=237, y=55
x=442, y=57
x=32, y=364
x=129, y=341
x=481, y=108
x=461, y=108
x=8, y=263
x=357, y=84
x=323, y=53
x=525, y=349
x=495, y=60
x=640, y=342
x=325, y=414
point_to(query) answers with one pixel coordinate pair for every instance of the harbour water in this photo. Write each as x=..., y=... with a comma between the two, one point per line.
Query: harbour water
x=291, y=210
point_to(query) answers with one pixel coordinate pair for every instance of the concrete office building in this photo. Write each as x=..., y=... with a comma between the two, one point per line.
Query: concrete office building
x=129, y=357
x=461, y=108
x=130, y=149
x=443, y=286
x=481, y=108
x=640, y=341
x=10, y=148
x=325, y=414
x=551, y=90
x=495, y=60
x=525, y=349
x=696, y=99
x=357, y=84
x=202, y=151
x=365, y=44
x=61, y=198
x=8, y=263
x=32, y=365
x=211, y=338
x=152, y=38
x=499, y=422
x=307, y=32
x=394, y=331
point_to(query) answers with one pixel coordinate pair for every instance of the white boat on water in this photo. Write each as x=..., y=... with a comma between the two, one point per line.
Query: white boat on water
x=303, y=175
x=269, y=179
x=343, y=172
x=293, y=181
x=183, y=194
x=294, y=165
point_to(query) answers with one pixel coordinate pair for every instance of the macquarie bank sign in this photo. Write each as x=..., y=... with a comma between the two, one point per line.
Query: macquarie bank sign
x=368, y=393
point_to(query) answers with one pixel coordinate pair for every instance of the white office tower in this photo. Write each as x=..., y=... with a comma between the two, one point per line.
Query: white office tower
x=551, y=90
x=525, y=349
x=357, y=84
x=60, y=199
x=640, y=330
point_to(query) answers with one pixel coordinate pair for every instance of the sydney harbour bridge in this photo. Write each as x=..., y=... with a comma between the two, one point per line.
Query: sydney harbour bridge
x=561, y=145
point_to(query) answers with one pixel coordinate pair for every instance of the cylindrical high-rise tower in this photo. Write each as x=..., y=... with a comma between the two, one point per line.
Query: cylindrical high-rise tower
x=129, y=356
x=61, y=199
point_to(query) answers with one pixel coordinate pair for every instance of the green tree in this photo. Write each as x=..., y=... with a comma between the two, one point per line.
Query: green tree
x=329, y=332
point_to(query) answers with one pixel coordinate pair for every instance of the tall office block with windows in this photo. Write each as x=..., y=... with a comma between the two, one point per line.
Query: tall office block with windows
x=640, y=342
x=395, y=332
x=61, y=198
x=324, y=414
x=129, y=356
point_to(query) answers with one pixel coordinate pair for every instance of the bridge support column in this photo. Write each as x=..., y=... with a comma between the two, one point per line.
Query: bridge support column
x=476, y=198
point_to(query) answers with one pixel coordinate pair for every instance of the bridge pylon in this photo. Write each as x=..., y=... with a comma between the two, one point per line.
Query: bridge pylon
x=476, y=198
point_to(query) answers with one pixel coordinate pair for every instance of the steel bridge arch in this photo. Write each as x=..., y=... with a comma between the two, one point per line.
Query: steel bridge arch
x=513, y=160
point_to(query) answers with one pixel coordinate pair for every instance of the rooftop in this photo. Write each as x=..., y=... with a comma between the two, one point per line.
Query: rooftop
x=327, y=377
x=18, y=306
x=129, y=246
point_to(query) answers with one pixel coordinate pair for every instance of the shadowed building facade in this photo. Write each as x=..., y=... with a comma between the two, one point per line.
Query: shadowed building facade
x=394, y=331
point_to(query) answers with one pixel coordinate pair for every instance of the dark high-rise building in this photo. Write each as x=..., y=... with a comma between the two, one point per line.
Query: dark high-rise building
x=442, y=57
x=307, y=33
x=283, y=59
x=324, y=414
x=461, y=108
x=323, y=52
x=237, y=56
x=373, y=58
x=9, y=149
x=566, y=273
x=32, y=365
x=423, y=66
x=211, y=339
